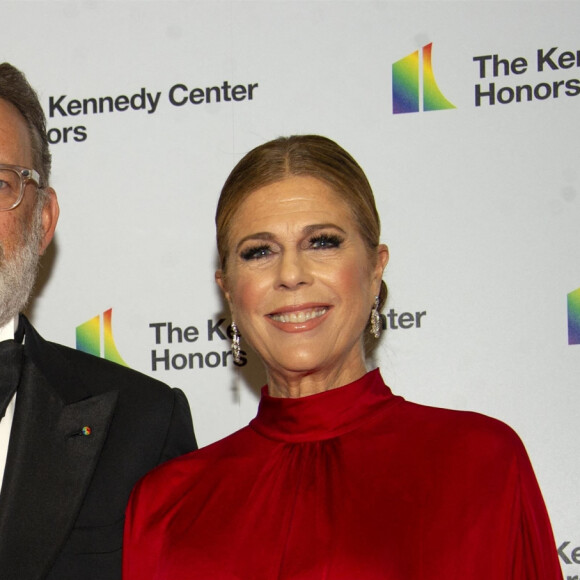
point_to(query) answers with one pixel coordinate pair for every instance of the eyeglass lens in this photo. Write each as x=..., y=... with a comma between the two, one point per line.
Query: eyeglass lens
x=10, y=187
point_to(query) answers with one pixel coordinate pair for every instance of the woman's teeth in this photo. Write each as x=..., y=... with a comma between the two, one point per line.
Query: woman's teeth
x=299, y=316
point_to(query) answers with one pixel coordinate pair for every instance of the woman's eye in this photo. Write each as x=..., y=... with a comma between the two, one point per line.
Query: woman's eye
x=255, y=253
x=325, y=241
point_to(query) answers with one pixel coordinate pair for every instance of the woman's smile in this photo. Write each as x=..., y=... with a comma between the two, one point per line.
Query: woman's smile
x=298, y=318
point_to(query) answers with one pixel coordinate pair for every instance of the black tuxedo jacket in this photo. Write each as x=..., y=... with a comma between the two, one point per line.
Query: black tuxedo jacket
x=64, y=494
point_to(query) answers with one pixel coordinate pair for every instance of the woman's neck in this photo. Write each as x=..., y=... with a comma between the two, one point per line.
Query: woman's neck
x=295, y=384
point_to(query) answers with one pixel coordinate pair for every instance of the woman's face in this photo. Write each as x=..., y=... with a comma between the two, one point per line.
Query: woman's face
x=299, y=279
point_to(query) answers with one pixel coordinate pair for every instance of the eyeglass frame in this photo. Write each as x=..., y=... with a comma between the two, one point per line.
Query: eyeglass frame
x=26, y=176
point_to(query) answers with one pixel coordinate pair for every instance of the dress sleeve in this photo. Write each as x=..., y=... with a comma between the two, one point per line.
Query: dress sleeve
x=141, y=549
x=534, y=556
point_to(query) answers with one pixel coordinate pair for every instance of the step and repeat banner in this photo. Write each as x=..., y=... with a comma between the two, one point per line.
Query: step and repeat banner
x=466, y=118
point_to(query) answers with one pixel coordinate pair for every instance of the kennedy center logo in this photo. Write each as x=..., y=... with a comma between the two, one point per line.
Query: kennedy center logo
x=574, y=317
x=412, y=79
x=89, y=336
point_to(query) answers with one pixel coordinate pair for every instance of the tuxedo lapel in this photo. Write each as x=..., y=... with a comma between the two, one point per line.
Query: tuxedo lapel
x=49, y=467
x=11, y=364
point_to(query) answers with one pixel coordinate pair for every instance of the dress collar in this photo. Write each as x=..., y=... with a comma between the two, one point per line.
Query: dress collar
x=324, y=415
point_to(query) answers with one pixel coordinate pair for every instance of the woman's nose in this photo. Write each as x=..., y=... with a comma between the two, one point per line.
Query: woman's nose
x=293, y=270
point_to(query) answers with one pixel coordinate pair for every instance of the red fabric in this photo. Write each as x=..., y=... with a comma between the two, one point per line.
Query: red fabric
x=352, y=483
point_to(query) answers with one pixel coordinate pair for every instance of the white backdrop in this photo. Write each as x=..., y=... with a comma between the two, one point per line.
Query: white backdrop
x=479, y=204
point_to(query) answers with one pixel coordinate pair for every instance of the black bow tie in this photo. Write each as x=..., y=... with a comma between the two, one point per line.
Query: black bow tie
x=10, y=366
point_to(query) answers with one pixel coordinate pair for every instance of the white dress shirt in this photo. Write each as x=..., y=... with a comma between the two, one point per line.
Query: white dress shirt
x=6, y=333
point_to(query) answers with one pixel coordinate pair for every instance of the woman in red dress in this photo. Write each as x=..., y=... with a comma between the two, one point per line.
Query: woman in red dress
x=336, y=478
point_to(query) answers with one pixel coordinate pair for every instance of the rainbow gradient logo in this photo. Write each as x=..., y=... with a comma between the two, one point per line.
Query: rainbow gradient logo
x=574, y=317
x=409, y=84
x=89, y=335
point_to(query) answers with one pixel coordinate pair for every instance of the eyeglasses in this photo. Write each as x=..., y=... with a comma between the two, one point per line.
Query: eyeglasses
x=13, y=182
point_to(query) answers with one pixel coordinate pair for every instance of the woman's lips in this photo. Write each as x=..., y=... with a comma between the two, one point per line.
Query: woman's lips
x=298, y=318
x=300, y=315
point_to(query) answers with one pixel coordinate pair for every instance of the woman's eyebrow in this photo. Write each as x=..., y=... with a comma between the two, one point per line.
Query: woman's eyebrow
x=315, y=227
x=267, y=236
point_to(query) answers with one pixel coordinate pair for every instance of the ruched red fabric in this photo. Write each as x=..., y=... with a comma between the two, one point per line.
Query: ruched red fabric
x=352, y=483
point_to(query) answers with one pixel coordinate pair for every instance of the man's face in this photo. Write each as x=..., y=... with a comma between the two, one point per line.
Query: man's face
x=26, y=230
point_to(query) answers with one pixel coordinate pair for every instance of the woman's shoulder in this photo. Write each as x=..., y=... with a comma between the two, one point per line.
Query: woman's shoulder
x=438, y=424
x=457, y=429
x=454, y=418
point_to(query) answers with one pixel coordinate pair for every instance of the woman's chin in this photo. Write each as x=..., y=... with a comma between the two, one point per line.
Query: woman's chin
x=296, y=363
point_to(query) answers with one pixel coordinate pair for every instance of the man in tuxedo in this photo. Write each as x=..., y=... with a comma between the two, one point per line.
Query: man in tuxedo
x=77, y=431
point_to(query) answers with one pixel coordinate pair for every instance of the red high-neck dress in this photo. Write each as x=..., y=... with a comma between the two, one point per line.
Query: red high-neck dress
x=353, y=483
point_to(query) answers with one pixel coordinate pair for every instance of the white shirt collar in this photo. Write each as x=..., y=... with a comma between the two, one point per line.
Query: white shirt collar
x=8, y=330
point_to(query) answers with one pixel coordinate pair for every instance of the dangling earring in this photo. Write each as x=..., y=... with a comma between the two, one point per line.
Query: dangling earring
x=376, y=326
x=236, y=343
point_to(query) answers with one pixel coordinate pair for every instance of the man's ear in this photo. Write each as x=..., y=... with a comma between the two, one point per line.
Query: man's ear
x=50, y=213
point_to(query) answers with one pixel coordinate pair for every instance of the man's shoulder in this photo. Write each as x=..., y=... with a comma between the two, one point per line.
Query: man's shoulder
x=103, y=369
x=66, y=367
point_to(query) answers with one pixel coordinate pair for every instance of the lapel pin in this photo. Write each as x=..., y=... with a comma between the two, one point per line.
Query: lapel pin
x=85, y=431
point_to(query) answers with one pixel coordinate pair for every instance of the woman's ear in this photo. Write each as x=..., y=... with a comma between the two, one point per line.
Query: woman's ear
x=382, y=261
x=221, y=282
